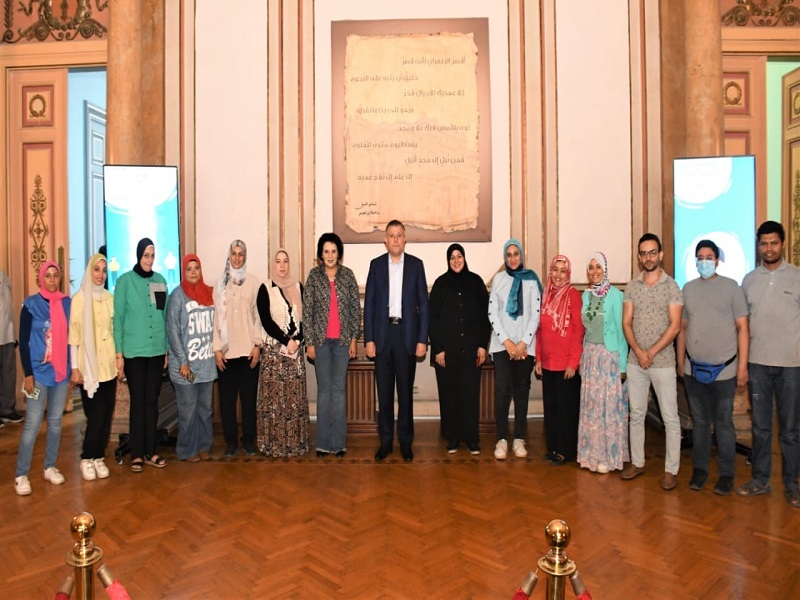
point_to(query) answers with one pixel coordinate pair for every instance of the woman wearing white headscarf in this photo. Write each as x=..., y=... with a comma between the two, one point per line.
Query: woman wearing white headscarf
x=602, y=428
x=237, y=347
x=92, y=350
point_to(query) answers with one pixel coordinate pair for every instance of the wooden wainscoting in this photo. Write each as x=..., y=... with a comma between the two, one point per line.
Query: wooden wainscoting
x=361, y=411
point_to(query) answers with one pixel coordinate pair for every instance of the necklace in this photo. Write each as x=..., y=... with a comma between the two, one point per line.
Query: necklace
x=594, y=309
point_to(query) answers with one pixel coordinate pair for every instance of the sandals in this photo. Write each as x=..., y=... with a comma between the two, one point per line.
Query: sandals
x=753, y=488
x=137, y=465
x=156, y=461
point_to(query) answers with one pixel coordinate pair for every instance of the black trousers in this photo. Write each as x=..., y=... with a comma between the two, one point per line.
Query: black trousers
x=144, y=383
x=394, y=366
x=459, y=399
x=562, y=405
x=99, y=411
x=238, y=380
x=512, y=380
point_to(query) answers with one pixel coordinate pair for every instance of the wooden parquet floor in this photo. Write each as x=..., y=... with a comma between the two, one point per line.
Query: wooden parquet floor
x=441, y=527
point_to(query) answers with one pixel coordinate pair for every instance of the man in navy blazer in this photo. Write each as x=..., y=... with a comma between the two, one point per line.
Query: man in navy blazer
x=396, y=335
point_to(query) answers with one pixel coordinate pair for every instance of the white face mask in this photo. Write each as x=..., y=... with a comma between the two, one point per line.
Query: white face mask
x=706, y=268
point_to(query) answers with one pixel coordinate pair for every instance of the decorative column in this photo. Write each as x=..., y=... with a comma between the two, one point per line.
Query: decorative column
x=124, y=77
x=704, y=110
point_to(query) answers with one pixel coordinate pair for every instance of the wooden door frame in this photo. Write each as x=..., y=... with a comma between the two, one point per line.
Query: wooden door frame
x=33, y=56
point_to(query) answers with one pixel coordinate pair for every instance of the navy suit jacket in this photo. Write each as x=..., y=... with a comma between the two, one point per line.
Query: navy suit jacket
x=415, y=303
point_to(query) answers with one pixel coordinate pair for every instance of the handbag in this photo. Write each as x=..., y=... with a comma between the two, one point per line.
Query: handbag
x=707, y=372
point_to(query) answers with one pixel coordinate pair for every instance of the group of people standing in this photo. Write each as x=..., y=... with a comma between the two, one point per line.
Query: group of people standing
x=597, y=353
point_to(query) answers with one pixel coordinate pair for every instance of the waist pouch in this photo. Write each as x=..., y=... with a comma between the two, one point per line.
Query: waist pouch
x=707, y=372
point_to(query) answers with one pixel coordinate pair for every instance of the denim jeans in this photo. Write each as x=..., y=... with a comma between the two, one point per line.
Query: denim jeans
x=195, y=430
x=52, y=397
x=663, y=380
x=331, y=369
x=712, y=403
x=783, y=383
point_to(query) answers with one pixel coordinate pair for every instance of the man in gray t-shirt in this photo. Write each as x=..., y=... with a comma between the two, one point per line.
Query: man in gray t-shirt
x=651, y=318
x=772, y=291
x=714, y=332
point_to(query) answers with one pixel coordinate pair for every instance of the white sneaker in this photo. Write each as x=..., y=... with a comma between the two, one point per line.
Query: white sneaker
x=22, y=485
x=602, y=468
x=100, y=468
x=501, y=450
x=519, y=448
x=53, y=475
x=87, y=469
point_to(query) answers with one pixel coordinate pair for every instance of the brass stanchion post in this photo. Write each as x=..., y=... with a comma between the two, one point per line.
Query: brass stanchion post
x=84, y=554
x=555, y=563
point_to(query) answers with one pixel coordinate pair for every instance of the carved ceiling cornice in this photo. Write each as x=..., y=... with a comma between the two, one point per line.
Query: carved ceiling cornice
x=763, y=13
x=39, y=21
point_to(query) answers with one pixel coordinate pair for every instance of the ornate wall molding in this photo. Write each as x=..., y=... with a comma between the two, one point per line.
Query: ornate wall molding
x=39, y=21
x=38, y=231
x=762, y=14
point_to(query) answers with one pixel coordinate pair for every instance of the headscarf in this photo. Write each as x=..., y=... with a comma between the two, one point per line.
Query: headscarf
x=556, y=299
x=515, y=303
x=235, y=276
x=600, y=289
x=199, y=292
x=140, y=248
x=88, y=348
x=452, y=248
x=288, y=286
x=56, y=353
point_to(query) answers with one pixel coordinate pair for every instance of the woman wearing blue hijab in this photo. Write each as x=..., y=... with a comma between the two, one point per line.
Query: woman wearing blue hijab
x=514, y=305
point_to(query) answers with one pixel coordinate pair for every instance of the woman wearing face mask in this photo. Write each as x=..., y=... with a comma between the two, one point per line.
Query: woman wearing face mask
x=283, y=422
x=140, y=298
x=603, y=427
x=94, y=368
x=45, y=360
x=559, y=343
x=459, y=334
x=514, y=305
x=190, y=319
x=332, y=324
x=237, y=347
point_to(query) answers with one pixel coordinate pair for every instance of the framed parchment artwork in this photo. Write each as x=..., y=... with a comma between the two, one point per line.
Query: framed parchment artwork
x=411, y=129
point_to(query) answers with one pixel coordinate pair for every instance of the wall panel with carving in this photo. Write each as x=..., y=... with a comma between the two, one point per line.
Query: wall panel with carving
x=759, y=13
x=48, y=21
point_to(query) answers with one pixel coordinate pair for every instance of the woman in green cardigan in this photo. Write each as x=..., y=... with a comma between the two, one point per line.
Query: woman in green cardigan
x=141, y=342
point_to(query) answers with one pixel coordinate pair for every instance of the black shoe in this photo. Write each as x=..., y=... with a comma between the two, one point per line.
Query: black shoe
x=321, y=454
x=408, y=455
x=473, y=447
x=341, y=453
x=250, y=449
x=230, y=450
x=549, y=456
x=699, y=479
x=12, y=417
x=452, y=446
x=557, y=459
x=382, y=453
x=724, y=486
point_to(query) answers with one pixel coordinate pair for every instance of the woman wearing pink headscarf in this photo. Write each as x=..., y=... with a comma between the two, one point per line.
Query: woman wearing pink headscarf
x=43, y=350
x=559, y=343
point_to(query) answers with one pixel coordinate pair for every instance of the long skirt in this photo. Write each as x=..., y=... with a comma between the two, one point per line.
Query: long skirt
x=603, y=421
x=282, y=404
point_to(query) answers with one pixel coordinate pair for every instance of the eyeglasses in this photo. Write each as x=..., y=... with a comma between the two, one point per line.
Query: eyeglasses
x=646, y=253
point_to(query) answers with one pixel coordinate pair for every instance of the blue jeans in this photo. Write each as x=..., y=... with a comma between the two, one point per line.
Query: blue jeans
x=784, y=384
x=331, y=369
x=712, y=403
x=52, y=397
x=195, y=430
